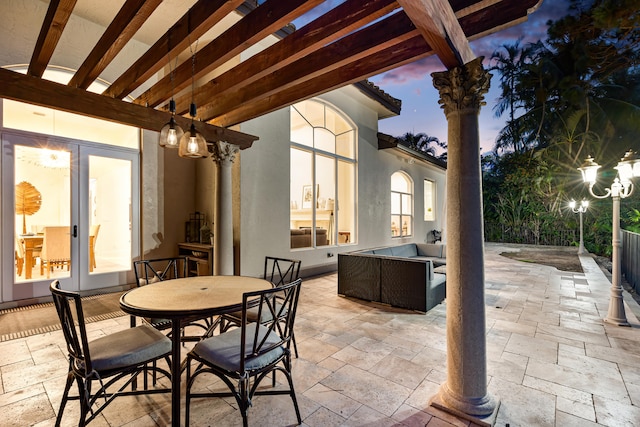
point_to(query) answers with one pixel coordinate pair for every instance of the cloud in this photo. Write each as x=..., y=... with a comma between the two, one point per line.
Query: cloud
x=417, y=70
x=532, y=30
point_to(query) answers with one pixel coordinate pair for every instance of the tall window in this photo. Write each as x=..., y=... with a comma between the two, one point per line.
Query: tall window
x=429, y=200
x=323, y=176
x=401, y=205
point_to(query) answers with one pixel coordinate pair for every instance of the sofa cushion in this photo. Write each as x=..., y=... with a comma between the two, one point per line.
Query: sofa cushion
x=408, y=250
x=430, y=250
x=383, y=251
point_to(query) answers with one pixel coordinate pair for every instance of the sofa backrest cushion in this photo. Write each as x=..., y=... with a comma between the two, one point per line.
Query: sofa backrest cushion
x=430, y=249
x=383, y=251
x=409, y=250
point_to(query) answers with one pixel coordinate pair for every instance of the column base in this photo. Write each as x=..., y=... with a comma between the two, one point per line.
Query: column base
x=482, y=412
x=616, y=314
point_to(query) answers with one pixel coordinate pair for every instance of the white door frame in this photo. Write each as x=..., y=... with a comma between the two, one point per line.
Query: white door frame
x=80, y=279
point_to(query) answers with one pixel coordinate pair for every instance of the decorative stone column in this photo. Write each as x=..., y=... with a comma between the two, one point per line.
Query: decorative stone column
x=464, y=393
x=224, y=154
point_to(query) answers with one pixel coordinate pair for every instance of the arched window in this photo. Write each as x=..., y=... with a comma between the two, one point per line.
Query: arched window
x=323, y=176
x=401, y=205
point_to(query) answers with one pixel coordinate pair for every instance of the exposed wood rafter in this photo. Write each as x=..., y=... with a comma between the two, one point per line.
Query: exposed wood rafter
x=344, y=44
x=440, y=28
x=198, y=20
x=390, y=32
x=264, y=20
x=32, y=90
x=56, y=19
x=327, y=28
x=132, y=15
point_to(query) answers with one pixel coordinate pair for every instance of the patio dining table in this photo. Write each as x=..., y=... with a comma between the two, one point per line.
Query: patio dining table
x=188, y=298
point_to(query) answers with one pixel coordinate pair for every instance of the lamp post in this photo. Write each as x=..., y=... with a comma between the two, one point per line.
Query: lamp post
x=580, y=210
x=622, y=187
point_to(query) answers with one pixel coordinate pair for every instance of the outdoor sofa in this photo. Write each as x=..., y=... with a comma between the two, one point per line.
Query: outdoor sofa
x=401, y=276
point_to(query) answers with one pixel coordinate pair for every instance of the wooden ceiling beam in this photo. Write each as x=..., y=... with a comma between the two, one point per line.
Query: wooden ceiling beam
x=33, y=90
x=198, y=20
x=378, y=36
x=336, y=23
x=440, y=28
x=55, y=20
x=266, y=19
x=127, y=22
x=288, y=50
x=384, y=60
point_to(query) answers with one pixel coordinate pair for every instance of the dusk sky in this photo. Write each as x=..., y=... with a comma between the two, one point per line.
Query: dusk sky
x=413, y=85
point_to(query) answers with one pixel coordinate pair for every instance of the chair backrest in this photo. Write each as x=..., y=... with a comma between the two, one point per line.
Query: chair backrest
x=159, y=269
x=279, y=305
x=75, y=337
x=56, y=244
x=281, y=271
x=19, y=247
x=94, y=230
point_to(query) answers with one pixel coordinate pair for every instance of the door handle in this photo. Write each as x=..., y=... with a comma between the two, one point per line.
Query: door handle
x=75, y=231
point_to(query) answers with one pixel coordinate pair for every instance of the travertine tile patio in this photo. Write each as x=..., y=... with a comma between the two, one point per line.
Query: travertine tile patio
x=551, y=360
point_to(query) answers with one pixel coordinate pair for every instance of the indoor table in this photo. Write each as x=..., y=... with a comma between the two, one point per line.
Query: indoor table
x=30, y=243
x=188, y=298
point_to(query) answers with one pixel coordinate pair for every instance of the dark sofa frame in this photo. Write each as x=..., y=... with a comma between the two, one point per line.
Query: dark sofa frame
x=404, y=282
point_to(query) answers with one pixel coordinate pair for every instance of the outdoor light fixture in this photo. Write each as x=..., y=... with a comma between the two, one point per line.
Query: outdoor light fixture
x=580, y=209
x=622, y=187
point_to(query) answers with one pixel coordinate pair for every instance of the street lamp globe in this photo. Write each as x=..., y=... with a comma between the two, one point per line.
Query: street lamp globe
x=628, y=167
x=584, y=205
x=589, y=170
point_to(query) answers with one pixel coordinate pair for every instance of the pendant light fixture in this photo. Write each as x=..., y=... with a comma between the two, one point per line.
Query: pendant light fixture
x=171, y=133
x=192, y=144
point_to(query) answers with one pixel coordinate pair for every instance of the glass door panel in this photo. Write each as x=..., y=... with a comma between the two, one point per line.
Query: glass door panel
x=73, y=217
x=42, y=243
x=109, y=213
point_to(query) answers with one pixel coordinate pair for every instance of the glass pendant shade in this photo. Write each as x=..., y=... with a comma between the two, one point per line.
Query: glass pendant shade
x=170, y=134
x=193, y=144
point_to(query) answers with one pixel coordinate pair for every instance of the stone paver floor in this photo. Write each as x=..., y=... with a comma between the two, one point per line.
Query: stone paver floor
x=551, y=360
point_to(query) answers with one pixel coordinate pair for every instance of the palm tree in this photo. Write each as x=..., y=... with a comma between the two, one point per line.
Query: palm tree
x=509, y=61
x=423, y=143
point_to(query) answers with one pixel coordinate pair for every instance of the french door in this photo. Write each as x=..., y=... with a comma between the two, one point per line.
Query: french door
x=75, y=216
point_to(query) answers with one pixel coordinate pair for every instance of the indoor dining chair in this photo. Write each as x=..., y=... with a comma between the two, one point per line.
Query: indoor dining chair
x=56, y=249
x=93, y=237
x=105, y=367
x=242, y=357
x=279, y=271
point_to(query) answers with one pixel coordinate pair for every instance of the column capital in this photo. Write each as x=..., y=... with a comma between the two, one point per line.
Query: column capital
x=463, y=87
x=224, y=152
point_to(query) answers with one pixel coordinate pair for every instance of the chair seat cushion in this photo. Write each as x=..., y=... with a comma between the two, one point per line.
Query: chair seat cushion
x=129, y=347
x=224, y=350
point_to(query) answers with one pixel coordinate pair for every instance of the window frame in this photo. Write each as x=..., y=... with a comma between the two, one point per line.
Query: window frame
x=402, y=215
x=329, y=110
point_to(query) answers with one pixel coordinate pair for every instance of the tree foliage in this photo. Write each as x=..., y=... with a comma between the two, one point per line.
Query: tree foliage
x=575, y=94
x=424, y=143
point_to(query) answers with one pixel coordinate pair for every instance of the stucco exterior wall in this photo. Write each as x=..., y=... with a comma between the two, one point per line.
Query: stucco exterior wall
x=264, y=223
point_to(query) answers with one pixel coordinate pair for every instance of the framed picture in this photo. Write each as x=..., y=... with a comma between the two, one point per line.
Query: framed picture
x=307, y=196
